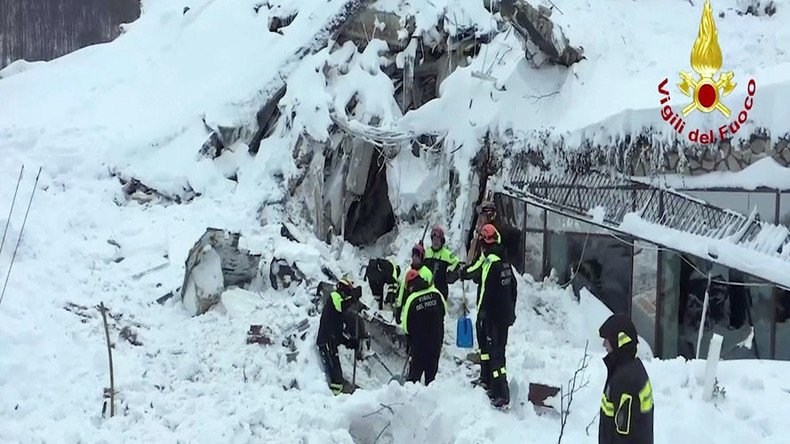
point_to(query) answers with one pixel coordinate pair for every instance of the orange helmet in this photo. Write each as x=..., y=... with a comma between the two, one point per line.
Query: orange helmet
x=411, y=275
x=488, y=234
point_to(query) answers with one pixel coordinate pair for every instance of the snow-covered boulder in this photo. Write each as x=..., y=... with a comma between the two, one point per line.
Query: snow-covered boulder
x=205, y=282
x=237, y=267
x=239, y=303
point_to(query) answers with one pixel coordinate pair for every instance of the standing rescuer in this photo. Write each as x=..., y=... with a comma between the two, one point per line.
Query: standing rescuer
x=340, y=314
x=496, y=302
x=417, y=264
x=423, y=322
x=441, y=261
x=627, y=402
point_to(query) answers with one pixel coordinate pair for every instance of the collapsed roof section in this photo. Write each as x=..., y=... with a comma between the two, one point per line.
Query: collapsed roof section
x=658, y=215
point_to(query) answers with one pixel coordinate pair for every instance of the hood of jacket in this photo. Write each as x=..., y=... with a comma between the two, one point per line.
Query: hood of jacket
x=621, y=334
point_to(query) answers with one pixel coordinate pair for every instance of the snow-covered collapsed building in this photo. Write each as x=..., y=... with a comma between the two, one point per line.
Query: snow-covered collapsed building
x=462, y=97
x=139, y=109
x=640, y=218
x=670, y=232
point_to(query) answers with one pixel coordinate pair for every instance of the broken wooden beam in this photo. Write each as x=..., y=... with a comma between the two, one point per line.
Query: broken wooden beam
x=539, y=393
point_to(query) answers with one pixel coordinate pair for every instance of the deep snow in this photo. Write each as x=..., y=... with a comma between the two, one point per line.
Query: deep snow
x=136, y=107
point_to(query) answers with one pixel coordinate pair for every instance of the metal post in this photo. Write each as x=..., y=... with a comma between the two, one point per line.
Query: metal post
x=776, y=208
x=659, y=342
x=546, y=245
x=631, y=293
x=103, y=310
x=704, y=316
x=775, y=299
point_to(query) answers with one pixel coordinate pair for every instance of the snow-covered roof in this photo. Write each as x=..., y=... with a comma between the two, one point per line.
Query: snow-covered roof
x=629, y=48
x=765, y=173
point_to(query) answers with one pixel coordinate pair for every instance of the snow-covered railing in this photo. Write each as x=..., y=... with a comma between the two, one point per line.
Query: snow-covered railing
x=619, y=195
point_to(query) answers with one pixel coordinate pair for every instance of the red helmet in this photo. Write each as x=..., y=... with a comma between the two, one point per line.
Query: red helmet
x=437, y=231
x=488, y=234
x=419, y=250
x=411, y=275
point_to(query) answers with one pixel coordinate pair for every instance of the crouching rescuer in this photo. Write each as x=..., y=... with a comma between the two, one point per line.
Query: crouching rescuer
x=340, y=324
x=496, y=312
x=627, y=402
x=422, y=319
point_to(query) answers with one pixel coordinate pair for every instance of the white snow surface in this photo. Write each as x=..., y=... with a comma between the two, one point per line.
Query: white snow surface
x=136, y=107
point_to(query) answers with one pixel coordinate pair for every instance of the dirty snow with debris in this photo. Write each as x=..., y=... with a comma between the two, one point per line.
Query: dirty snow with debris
x=139, y=106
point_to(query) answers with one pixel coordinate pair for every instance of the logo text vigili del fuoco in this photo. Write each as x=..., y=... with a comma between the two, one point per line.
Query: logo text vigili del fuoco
x=706, y=89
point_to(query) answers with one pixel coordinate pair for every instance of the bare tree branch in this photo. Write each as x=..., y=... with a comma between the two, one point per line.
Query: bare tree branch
x=587, y=429
x=383, y=406
x=579, y=381
x=538, y=98
x=381, y=432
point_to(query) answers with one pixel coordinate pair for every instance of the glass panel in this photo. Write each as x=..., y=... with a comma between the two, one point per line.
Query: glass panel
x=693, y=283
x=510, y=221
x=734, y=311
x=783, y=325
x=749, y=309
x=669, y=306
x=784, y=209
x=741, y=201
x=534, y=255
x=535, y=216
x=558, y=222
x=558, y=257
x=643, y=308
x=599, y=263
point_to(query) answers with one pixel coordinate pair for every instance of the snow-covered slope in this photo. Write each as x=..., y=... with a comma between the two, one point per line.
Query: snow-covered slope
x=136, y=107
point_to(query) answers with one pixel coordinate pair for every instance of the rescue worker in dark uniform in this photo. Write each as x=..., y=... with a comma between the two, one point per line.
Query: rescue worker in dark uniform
x=382, y=276
x=423, y=322
x=627, y=403
x=417, y=263
x=507, y=236
x=340, y=324
x=496, y=312
x=441, y=261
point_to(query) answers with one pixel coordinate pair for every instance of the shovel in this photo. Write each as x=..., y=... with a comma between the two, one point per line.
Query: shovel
x=464, y=330
x=401, y=378
x=378, y=358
